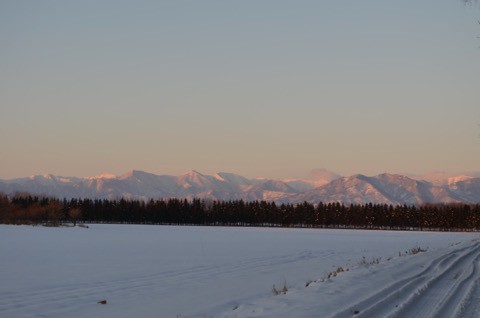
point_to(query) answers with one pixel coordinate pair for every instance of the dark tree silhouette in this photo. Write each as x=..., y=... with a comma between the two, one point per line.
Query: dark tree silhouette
x=27, y=209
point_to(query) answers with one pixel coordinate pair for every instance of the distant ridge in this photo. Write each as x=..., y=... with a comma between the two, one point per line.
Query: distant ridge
x=322, y=186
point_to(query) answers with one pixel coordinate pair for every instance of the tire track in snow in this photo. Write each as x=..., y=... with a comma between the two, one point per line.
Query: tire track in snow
x=458, y=297
x=445, y=288
x=469, y=307
x=442, y=294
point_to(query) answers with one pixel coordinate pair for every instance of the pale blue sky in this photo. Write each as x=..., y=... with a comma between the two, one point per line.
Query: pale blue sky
x=270, y=88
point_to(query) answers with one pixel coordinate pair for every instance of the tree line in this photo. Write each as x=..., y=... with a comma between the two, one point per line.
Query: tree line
x=27, y=209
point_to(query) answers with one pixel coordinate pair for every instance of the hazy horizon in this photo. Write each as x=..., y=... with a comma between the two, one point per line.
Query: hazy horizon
x=313, y=174
x=271, y=88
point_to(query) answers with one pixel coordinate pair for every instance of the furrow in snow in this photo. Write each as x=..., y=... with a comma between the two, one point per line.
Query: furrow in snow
x=469, y=306
x=451, y=304
x=400, y=295
x=439, y=288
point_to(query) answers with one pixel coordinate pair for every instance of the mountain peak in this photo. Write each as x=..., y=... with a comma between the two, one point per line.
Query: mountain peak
x=444, y=178
x=195, y=178
x=103, y=176
x=356, y=176
x=134, y=174
x=136, y=184
x=47, y=176
x=232, y=178
x=393, y=176
x=322, y=174
x=193, y=173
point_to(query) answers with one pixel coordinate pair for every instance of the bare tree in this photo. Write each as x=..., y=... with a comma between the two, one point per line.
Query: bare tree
x=54, y=213
x=75, y=214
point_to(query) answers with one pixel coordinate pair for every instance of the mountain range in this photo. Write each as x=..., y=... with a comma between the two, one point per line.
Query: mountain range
x=321, y=186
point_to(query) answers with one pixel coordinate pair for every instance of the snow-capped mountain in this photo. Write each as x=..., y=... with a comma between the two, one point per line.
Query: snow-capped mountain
x=384, y=188
x=468, y=190
x=356, y=189
x=270, y=190
x=444, y=178
x=316, y=178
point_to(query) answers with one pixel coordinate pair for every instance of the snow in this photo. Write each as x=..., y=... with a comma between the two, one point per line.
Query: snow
x=170, y=271
x=453, y=180
x=218, y=177
x=358, y=189
x=102, y=176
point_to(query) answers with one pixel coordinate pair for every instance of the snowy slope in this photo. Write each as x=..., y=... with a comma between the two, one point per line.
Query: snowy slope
x=384, y=188
x=316, y=178
x=469, y=189
x=443, y=178
x=42, y=184
x=270, y=190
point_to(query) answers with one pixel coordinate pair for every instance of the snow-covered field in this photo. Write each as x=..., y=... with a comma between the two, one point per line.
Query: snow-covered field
x=168, y=271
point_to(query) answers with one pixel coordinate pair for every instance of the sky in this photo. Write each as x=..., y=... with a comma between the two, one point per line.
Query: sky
x=258, y=88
